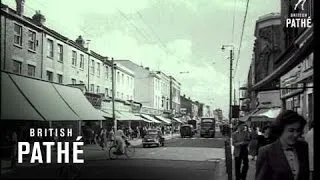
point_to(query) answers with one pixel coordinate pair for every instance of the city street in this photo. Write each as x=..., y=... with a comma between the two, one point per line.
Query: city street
x=188, y=158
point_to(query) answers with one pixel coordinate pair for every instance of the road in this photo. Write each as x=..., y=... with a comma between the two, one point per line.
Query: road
x=188, y=158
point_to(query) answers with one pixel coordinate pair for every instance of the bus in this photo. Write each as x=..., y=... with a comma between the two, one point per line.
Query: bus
x=208, y=127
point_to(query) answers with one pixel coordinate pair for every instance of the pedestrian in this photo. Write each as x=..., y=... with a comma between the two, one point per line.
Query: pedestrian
x=287, y=157
x=266, y=138
x=241, y=139
x=253, y=145
x=102, y=138
x=138, y=132
x=309, y=139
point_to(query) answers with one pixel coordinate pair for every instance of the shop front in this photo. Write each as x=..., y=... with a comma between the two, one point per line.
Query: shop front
x=297, y=88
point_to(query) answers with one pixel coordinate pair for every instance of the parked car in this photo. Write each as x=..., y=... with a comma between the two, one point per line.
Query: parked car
x=186, y=130
x=153, y=137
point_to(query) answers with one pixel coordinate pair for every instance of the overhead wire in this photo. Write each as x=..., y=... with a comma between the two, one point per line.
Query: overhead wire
x=241, y=38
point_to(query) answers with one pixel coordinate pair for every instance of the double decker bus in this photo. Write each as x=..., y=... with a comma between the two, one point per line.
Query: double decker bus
x=208, y=127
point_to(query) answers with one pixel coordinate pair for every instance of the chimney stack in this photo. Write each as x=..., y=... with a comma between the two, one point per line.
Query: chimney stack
x=39, y=19
x=80, y=41
x=20, y=7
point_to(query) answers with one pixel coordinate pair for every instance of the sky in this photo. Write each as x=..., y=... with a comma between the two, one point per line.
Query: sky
x=182, y=38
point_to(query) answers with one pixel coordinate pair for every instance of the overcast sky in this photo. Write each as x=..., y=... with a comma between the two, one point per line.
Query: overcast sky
x=172, y=36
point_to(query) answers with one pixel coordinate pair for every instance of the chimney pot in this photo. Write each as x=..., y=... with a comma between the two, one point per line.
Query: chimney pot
x=20, y=7
x=38, y=18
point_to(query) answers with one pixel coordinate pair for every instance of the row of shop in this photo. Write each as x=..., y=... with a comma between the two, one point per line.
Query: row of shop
x=295, y=77
x=29, y=102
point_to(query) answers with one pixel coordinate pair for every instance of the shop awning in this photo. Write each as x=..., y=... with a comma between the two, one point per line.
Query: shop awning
x=165, y=120
x=261, y=114
x=106, y=114
x=79, y=103
x=14, y=106
x=270, y=113
x=150, y=118
x=128, y=116
x=177, y=119
x=45, y=99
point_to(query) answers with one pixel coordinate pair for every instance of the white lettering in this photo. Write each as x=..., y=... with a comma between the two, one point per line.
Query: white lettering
x=77, y=151
x=36, y=153
x=21, y=152
x=39, y=132
x=61, y=151
x=31, y=132
x=69, y=132
x=48, y=147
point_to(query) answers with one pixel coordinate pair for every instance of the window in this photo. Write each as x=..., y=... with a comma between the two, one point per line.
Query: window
x=60, y=77
x=16, y=68
x=81, y=61
x=118, y=77
x=49, y=76
x=73, y=81
x=98, y=69
x=32, y=40
x=17, y=35
x=106, y=91
x=31, y=70
x=98, y=89
x=74, y=58
x=50, y=48
x=122, y=79
x=92, y=66
x=121, y=95
x=107, y=72
x=60, y=53
x=92, y=87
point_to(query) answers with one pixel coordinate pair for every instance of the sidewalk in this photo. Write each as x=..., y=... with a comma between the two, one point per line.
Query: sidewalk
x=222, y=171
x=90, y=152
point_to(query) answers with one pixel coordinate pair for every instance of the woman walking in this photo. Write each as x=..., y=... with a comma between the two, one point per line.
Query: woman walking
x=286, y=158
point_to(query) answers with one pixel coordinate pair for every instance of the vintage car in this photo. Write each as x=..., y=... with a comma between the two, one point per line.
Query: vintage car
x=153, y=137
x=186, y=130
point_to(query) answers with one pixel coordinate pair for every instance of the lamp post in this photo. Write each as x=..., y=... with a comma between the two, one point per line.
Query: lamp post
x=228, y=143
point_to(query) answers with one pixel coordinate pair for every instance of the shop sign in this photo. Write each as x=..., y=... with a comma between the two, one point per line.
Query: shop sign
x=291, y=80
x=94, y=99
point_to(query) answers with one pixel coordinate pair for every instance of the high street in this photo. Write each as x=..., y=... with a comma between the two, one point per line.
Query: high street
x=188, y=158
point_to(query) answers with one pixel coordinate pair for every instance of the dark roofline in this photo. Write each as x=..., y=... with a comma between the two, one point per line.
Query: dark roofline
x=48, y=30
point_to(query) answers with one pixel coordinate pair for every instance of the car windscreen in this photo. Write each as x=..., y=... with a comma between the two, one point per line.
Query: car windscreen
x=152, y=132
x=206, y=124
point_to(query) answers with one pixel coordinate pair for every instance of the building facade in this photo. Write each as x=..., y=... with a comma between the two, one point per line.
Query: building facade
x=175, y=89
x=30, y=48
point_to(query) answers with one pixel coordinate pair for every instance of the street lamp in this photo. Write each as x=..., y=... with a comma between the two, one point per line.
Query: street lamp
x=228, y=144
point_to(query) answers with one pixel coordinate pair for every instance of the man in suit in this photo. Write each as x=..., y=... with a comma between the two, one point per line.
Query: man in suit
x=287, y=157
x=240, y=141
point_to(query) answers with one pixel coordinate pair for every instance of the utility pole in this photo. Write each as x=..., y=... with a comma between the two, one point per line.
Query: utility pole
x=230, y=122
x=228, y=142
x=113, y=94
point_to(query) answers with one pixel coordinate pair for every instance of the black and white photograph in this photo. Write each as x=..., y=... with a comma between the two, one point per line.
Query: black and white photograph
x=157, y=89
